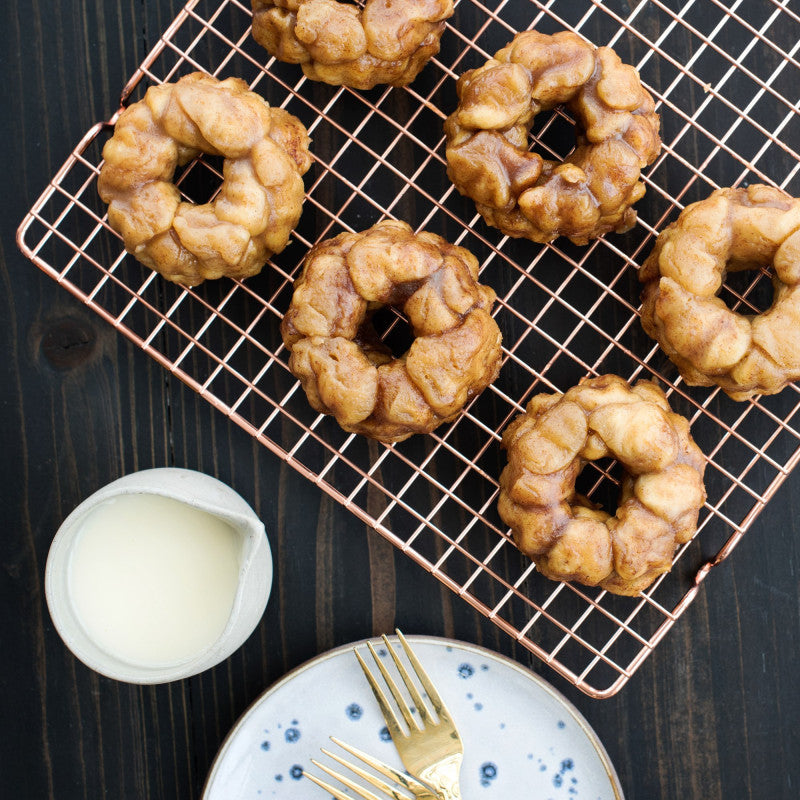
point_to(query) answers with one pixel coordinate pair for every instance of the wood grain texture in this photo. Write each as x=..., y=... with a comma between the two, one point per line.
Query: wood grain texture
x=711, y=714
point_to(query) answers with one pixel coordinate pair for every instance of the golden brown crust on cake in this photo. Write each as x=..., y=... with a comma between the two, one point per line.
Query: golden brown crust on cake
x=259, y=202
x=519, y=192
x=662, y=492
x=732, y=229
x=343, y=366
x=388, y=41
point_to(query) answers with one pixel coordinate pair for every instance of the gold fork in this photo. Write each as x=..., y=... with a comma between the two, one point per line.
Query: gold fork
x=431, y=751
x=403, y=787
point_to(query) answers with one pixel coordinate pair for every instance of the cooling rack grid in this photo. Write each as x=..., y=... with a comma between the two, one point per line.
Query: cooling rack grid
x=725, y=76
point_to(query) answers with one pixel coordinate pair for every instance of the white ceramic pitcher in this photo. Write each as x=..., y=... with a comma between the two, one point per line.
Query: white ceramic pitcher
x=198, y=491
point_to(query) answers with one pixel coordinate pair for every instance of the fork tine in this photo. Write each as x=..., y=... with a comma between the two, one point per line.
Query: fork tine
x=386, y=709
x=383, y=701
x=350, y=784
x=388, y=790
x=424, y=679
x=378, y=783
x=337, y=793
x=410, y=685
x=396, y=693
x=407, y=781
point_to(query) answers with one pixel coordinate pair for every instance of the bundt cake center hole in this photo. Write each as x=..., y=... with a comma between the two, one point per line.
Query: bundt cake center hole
x=747, y=290
x=393, y=329
x=600, y=482
x=200, y=179
x=552, y=135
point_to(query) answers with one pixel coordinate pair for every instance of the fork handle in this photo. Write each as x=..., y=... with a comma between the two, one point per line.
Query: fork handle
x=443, y=777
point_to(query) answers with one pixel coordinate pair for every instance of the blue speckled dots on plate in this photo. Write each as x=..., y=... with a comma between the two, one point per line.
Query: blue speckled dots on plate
x=522, y=739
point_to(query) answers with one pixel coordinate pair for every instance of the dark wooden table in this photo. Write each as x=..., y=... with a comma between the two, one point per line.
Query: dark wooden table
x=712, y=714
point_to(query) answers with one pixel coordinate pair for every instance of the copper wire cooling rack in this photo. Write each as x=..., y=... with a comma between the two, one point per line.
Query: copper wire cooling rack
x=726, y=77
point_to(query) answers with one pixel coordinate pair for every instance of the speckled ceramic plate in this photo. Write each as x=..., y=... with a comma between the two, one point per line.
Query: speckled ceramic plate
x=522, y=739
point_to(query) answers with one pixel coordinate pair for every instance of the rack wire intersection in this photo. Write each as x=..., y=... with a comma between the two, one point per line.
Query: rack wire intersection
x=729, y=116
